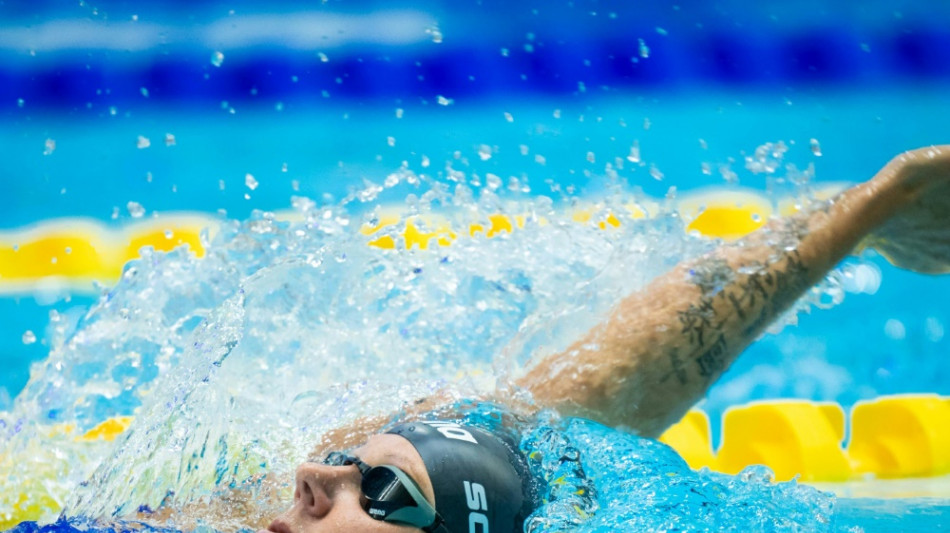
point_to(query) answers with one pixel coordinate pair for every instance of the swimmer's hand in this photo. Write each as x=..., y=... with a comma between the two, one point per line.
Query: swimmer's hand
x=914, y=192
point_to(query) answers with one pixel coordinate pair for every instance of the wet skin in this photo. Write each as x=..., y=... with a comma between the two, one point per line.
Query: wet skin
x=328, y=498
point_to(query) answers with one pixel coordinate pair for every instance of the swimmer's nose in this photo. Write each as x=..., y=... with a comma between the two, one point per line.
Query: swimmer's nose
x=315, y=487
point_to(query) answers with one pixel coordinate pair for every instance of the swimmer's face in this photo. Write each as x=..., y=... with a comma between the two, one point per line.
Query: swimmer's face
x=328, y=498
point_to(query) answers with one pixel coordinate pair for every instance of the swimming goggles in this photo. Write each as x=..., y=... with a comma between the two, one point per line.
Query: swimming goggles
x=391, y=495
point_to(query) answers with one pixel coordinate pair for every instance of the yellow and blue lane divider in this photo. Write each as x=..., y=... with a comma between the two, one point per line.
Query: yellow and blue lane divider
x=75, y=252
x=890, y=437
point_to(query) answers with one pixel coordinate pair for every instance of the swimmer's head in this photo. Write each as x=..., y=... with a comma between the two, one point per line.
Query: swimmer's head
x=479, y=479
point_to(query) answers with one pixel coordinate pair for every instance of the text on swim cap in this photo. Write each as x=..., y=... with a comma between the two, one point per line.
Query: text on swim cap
x=453, y=431
x=477, y=501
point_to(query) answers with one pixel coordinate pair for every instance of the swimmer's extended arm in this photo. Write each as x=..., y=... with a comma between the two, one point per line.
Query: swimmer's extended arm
x=660, y=349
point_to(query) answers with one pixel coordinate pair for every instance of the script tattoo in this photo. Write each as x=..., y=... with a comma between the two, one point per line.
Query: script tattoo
x=756, y=293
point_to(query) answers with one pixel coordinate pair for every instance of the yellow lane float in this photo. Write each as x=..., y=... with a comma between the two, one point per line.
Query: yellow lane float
x=901, y=436
x=76, y=252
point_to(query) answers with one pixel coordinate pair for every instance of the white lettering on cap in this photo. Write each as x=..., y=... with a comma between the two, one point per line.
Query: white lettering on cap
x=452, y=430
x=477, y=501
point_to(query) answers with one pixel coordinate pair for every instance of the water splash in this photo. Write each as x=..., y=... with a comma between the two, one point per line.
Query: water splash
x=233, y=364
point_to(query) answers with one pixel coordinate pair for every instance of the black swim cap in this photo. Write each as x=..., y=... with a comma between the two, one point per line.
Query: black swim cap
x=476, y=476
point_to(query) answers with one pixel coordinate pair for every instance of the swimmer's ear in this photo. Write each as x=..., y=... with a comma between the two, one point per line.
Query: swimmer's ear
x=916, y=235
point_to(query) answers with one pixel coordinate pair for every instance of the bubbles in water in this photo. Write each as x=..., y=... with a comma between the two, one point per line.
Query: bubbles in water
x=28, y=337
x=643, y=49
x=169, y=139
x=249, y=181
x=217, y=58
x=142, y=142
x=484, y=152
x=590, y=157
x=391, y=141
x=508, y=117
x=135, y=209
x=655, y=173
x=20, y=102
x=399, y=112
x=144, y=92
x=815, y=147
x=49, y=146
x=323, y=57
x=443, y=101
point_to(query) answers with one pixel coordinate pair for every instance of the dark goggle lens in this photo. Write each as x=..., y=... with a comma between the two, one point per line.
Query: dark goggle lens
x=385, y=491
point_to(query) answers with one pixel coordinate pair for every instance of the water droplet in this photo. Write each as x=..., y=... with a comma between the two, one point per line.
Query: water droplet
x=435, y=33
x=49, y=146
x=484, y=152
x=933, y=329
x=295, y=185
x=217, y=58
x=250, y=182
x=702, y=144
x=247, y=196
x=581, y=87
x=169, y=139
x=399, y=112
x=643, y=49
x=135, y=209
x=706, y=168
x=29, y=337
x=221, y=185
x=647, y=123
x=391, y=141
x=815, y=147
x=142, y=142
x=634, y=155
x=144, y=91
x=68, y=250
x=323, y=57
x=135, y=18
x=895, y=329
x=590, y=157
x=279, y=106
x=508, y=117
x=425, y=161
x=756, y=217
x=540, y=159
x=169, y=234
x=655, y=173
x=113, y=111
x=283, y=167
x=115, y=213
x=444, y=101
x=505, y=52
x=20, y=102
x=523, y=148
x=661, y=31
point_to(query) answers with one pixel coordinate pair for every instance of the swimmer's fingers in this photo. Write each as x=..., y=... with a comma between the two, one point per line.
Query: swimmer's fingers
x=916, y=235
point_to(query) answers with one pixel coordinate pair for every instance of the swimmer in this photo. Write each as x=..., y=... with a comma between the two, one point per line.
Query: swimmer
x=652, y=358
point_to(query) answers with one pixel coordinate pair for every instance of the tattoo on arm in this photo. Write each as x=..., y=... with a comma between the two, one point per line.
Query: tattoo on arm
x=757, y=293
